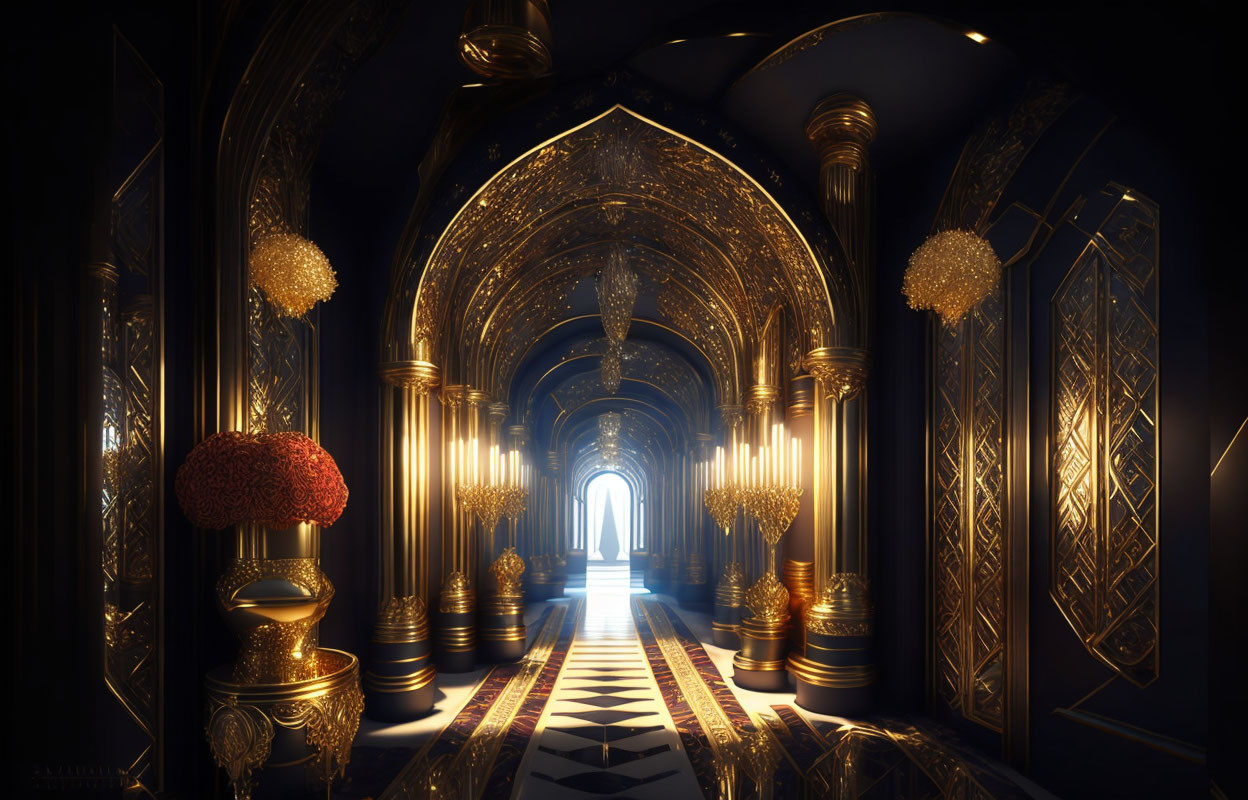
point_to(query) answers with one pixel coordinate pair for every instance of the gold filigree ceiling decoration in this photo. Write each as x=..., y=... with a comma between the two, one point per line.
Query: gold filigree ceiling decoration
x=642, y=362
x=698, y=224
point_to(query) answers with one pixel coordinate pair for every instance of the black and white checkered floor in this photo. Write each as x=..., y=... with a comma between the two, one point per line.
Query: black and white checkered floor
x=606, y=730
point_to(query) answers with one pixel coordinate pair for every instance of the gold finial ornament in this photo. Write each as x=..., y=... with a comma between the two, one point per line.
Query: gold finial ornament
x=508, y=569
x=457, y=594
x=768, y=599
x=951, y=273
x=293, y=272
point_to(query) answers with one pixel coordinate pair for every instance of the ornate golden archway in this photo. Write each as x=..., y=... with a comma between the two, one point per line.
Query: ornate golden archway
x=733, y=304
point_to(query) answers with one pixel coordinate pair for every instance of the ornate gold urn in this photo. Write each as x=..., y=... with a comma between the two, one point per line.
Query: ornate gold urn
x=285, y=705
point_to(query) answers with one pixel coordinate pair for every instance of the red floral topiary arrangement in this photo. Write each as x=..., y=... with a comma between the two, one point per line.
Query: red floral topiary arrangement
x=271, y=479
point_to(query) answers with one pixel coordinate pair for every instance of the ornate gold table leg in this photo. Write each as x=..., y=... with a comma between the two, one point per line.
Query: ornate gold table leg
x=399, y=687
x=835, y=674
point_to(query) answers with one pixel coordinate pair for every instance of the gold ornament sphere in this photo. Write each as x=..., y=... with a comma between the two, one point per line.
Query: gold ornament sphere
x=293, y=272
x=951, y=273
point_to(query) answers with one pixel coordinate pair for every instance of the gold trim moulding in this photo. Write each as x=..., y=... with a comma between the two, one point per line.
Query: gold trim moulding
x=840, y=677
x=421, y=375
x=747, y=663
x=503, y=634
x=400, y=660
x=403, y=683
x=346, y=672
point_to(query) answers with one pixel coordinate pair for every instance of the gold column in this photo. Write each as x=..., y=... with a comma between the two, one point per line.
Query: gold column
x=398, y=685
x=476, y=428
x=695, y=572
x=760, y=403
x=836, y=672
x=558, y=529
x=455, y=640
x=518, y=440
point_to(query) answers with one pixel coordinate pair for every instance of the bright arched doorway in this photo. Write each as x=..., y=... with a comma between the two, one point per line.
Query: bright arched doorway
x=609, y=511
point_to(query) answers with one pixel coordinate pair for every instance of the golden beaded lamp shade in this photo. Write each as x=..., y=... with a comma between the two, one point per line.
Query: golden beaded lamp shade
x=951, y=273
x=293, y=272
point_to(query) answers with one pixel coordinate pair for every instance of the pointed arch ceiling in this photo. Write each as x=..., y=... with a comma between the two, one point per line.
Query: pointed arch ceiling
x=714, y=251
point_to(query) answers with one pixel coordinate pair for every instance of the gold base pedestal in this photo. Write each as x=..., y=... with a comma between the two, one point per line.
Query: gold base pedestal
x=835, y=673
x=760, y=665
x=398, y=686
x=503, y=635
x=279, y=739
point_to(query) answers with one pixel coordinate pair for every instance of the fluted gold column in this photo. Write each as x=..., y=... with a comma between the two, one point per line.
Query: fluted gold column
x=760, y=407
x=835, y=674
x=693, y=588
x=730, y=590
x=399, y=682
x=559, y=526
x=455, y=639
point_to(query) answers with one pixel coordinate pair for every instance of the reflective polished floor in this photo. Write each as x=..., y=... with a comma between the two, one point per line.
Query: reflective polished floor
x=606, y=729
x=622, y=694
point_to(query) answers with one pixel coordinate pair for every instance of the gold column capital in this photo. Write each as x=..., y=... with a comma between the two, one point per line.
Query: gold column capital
x=552, y=461
x=841, y=371
x=497, y=413
x=422, y=376
x=733, y=415
x=476, y=397
x=841, y=126
x=519, y=434
x=453, y=395
x=760, y=397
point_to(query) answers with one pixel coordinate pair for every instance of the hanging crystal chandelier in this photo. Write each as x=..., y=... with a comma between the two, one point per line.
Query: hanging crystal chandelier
x=611, y=372
x=609, y=437
x=617, y=293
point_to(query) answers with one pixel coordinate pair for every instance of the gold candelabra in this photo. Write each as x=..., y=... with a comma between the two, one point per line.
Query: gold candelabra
x=723, y=498
x=498, y=490
x=770, y=493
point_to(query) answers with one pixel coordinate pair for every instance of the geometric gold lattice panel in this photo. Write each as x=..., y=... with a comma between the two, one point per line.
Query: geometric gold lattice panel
x=1104, y=576
x=968, y=496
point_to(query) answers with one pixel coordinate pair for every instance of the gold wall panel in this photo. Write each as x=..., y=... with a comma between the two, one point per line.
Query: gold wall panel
x=968, y=495
x=978, y=544
x=131, y=342
x=1103, y=440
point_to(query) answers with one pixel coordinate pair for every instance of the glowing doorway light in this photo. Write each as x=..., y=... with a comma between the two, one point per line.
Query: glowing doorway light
x=608, y=492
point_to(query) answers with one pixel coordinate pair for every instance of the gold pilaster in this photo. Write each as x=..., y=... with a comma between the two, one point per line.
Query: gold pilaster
x=399, y=682
x=841, y=128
